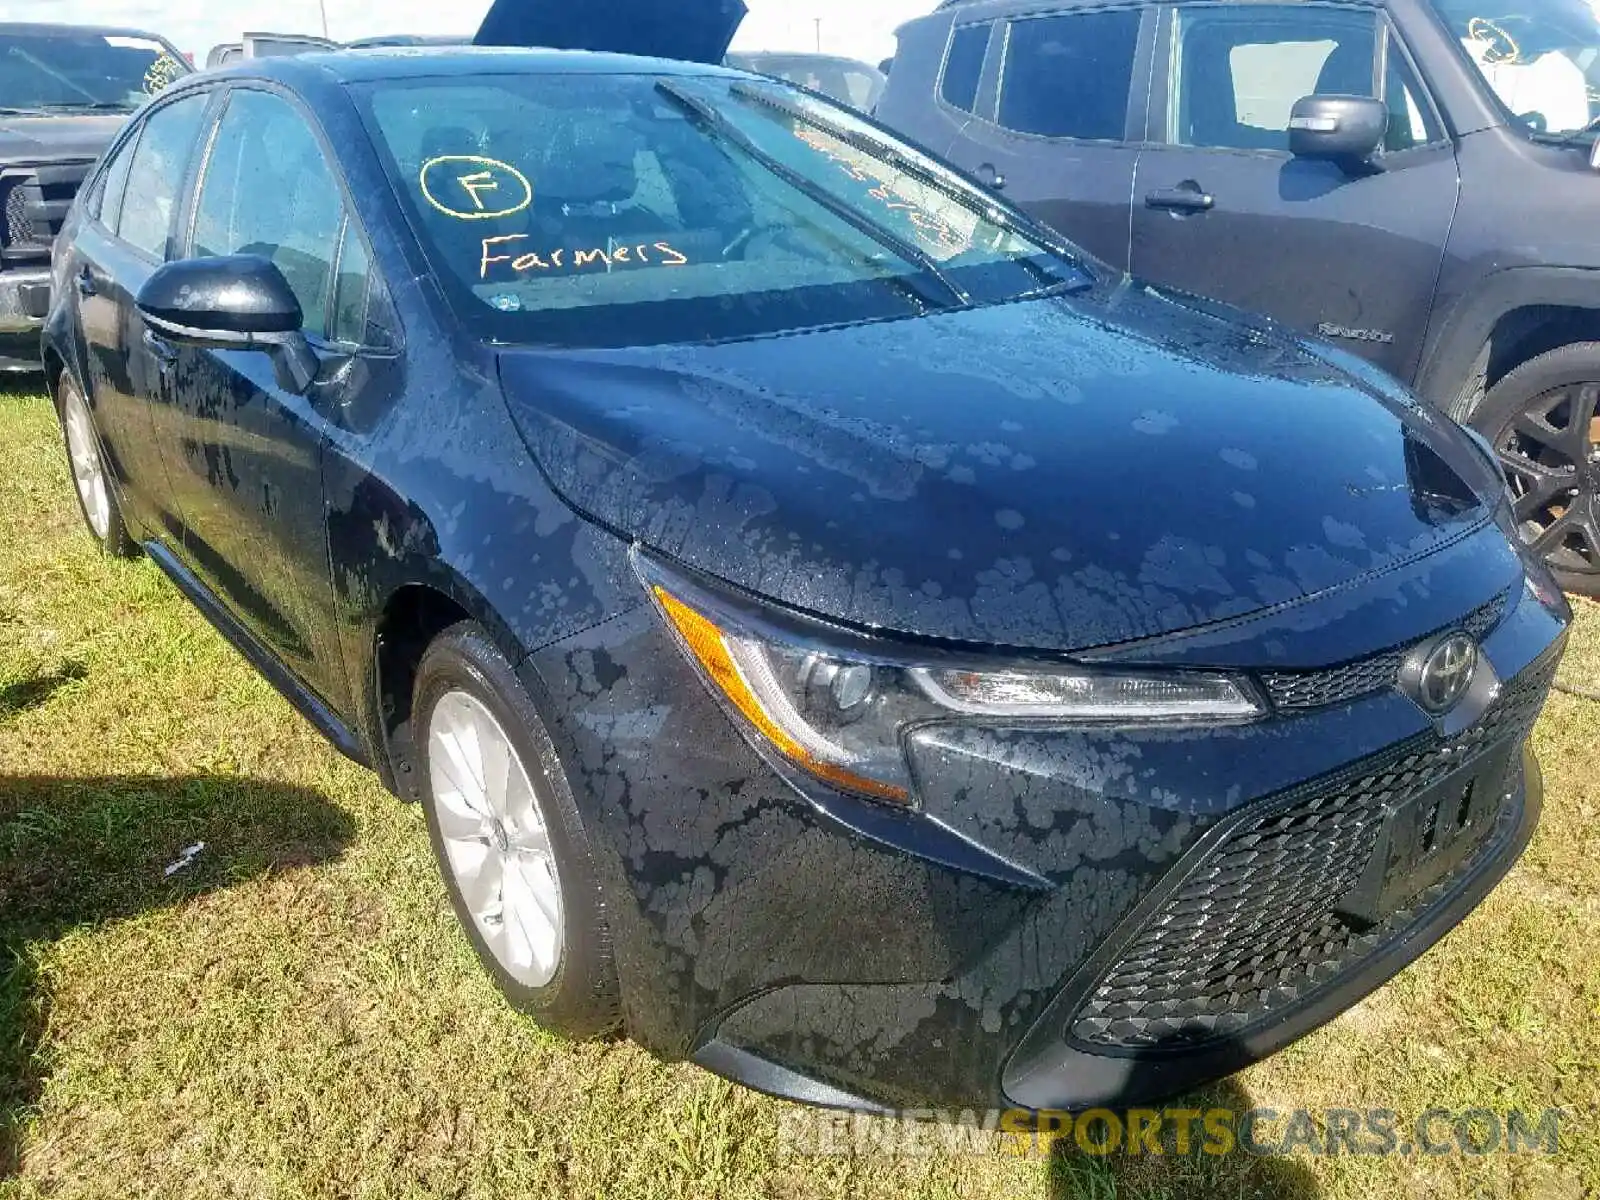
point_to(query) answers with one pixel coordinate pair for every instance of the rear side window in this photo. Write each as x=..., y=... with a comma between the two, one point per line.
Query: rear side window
x=106, y=203
x=269, y=191
x=1070, y=76
x=963, y=66
x=156, y=174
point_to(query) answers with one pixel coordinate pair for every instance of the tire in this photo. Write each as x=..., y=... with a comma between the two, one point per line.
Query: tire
x=1543, y=420
x=97, y=498
x=553, y=961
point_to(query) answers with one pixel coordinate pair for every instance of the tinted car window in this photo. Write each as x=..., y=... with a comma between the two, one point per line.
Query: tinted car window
x=156, y=174
x=1069, y=76
x=592, y=210
x=106, y=202
x=963, y=67
x=352, y=293
x=1410, y=122
x=65, y=69
x=1240, y=70
x=268, y=190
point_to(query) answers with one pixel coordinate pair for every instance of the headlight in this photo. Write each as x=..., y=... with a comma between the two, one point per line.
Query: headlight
x=840, y=711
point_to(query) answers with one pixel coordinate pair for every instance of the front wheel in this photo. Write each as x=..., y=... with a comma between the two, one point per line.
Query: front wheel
x=1544, y=422
x=509, y=839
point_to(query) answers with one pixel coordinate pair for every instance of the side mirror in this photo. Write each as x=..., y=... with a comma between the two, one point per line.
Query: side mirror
x=1346, y=130
x=238, y=302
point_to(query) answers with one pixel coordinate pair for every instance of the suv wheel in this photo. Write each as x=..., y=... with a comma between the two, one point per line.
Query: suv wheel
x=509, y=839
x=97, y=499
x=1544, y=421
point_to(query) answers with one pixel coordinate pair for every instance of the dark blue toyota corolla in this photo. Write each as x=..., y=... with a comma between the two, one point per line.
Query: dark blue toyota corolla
x=838, y=633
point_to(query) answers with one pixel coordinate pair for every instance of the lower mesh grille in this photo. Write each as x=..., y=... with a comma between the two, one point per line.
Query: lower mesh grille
x=1253, y=930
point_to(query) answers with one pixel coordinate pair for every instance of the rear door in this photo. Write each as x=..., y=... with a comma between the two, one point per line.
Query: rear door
x=1221, y=208
x=249, y=471
x=119, y=246
x=1057, y=120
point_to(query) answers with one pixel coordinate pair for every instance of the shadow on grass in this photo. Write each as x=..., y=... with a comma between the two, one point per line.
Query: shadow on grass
x=1198, y=1175
x=80, y=852
x=31, y=693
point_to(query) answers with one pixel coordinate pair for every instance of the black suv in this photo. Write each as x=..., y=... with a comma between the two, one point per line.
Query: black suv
x=1411, y=179
x=65, y=92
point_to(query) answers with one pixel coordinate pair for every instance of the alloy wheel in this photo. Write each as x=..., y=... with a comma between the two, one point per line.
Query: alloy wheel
x=1551, y=453
x=88, y=473
x=496, y=839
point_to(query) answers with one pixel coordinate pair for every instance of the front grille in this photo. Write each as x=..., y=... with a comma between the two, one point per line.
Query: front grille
x=1253, y=930
x=19, y=226
x=37, y=201
x=1337, y=685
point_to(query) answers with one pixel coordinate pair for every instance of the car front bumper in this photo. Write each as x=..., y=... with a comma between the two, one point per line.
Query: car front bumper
x=24, y=304
x=1139, y=911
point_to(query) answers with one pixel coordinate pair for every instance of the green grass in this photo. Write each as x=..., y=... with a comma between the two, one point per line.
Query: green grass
x=296, y=1015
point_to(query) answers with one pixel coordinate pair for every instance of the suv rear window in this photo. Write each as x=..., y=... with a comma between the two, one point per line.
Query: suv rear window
x=963, y=67
x=1069, y=76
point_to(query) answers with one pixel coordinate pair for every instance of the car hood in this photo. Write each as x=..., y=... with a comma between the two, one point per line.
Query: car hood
x=57, y=138
x=693, y=30
x=1057, y=474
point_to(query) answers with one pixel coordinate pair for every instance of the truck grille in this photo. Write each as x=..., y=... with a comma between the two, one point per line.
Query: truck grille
x=36, y=202
x=1316, y=689
x=1254, y=929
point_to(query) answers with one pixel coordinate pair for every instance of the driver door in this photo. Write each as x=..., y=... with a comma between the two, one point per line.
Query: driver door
x=248, y=471
x=1222, y=209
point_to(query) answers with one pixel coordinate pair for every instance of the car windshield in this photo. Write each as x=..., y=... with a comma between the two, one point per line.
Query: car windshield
x=611, y=210
x=1541, y=57
x=67, y=69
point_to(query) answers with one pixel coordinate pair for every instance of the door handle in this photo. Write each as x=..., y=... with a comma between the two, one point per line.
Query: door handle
x=1181, y=199
x=162, y=350
x=87, y=286
x=991, y=178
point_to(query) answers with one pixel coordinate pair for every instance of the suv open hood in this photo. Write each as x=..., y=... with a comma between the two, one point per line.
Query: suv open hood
x=1056, y=474
x=692, y=30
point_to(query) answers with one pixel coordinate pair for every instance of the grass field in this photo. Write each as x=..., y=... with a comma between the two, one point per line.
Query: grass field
x=295, y=1015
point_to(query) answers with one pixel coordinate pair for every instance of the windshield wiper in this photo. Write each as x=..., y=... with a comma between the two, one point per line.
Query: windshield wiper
x=7, y=110
x=1025, y=227
x=715, y=122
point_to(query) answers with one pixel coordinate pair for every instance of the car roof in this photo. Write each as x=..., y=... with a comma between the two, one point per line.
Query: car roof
x=433, y=62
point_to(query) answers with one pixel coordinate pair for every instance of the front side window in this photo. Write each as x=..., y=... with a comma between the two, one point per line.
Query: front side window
x=1070, y=76
x=619, y=210
x=1541, y=58
x=963, y=67
x=1240, y=70
x=65, y=70
x=268, y=190
x=156, y=173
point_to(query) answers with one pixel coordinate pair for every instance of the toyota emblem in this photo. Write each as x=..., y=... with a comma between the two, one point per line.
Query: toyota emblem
x=1438, y=675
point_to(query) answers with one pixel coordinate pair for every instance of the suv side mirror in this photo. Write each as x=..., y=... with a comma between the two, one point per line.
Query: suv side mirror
x=237, y=302
x=1346, y=130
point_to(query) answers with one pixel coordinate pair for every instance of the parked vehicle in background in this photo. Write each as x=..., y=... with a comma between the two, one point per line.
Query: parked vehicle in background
x=65, y=91
x=838, y=635
x=857, y=84
x=287, y=45
x=1409, y=179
